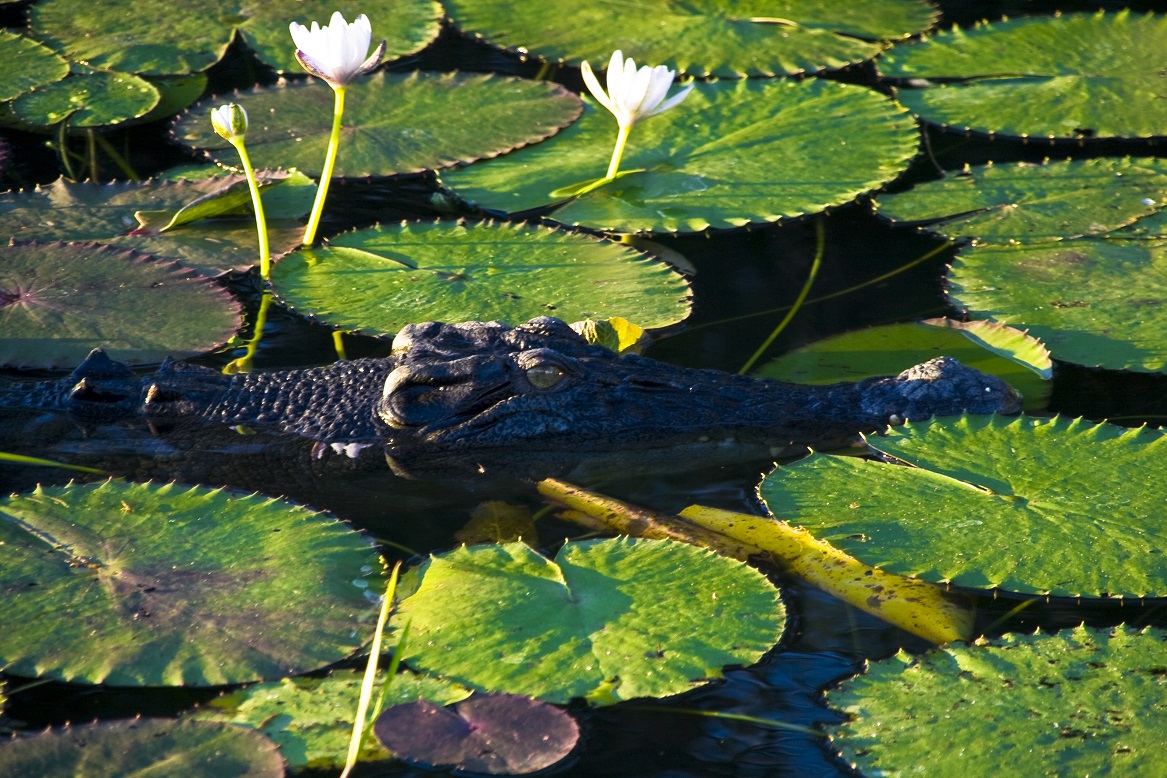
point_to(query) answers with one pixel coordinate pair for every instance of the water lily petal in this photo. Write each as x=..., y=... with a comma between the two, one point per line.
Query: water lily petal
x=337, y=52
x=593, y=85
x=676, y=99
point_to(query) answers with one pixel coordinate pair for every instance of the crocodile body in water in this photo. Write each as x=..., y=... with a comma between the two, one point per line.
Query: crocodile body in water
x=461, y=399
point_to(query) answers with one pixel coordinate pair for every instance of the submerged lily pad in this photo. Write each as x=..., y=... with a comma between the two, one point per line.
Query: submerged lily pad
x=105, y=213
x=26, y=64
x=1082, y=702
x=494, y=734
x=1028, y=203
x=382, y=278
x=143, y=747
x=311, y=719
x=149, y=584
x=1096, y=302
x=161, y=37
x=608, y=619
x=876, y=351
x=704, y=37
x=1066, y=76
x=1032, y=512
x=733, y=153
x=393, y=123
x=97, y=99
x=60, y=300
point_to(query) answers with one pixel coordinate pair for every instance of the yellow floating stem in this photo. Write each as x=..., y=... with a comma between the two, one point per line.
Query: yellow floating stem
x=922, y=608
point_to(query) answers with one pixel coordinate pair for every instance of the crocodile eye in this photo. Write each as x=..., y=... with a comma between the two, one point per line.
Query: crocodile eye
x=544, y=376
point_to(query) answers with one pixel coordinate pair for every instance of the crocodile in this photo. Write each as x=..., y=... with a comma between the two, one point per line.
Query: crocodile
x=476, y=398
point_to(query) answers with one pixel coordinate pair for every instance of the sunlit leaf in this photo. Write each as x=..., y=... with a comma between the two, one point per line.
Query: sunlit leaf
x=148, y=584
x=382, y=278
x=1081, y=702
x=1032, y=511
x=733, y=153
x=96, y=99
x=1066, y=76
x=26, y=64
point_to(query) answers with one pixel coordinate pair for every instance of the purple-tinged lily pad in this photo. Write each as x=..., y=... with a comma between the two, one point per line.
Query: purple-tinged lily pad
x=60, y=300
x=496, y=734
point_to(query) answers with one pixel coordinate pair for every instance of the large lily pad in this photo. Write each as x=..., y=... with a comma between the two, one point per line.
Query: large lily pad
x=1028, y=203
x=98, y=99
x=877, y=351
x=1082, y=702
x=106, y=213
x=26, y=64
x=706, y=37
x=393, y=122
x=734, y=152
x=1097, y=302
x=143, y=747
x=60, y=300
x=311, y=719
x=1067, y=76
x=609, y=619
x=380, y=279
x=161, y=37
x=147, y=584
x=1032, y=512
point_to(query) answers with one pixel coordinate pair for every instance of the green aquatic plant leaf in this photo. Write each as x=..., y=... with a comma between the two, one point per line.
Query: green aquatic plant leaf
x=1066, y=76
x=105, y=213
x=608, y=620
x=164, y=38
x=1093, y=301
x=705, y=37
x=1027, y=203
x=162, y=584
x=98, y=99
x=393, y=122
x=143, y=747
x=26, y=64
x=733, y=153
x=1032, y=512
x=382, y=278
x=1081, y=702
x=489, y=734
x=311, y=719
x=60, y=300
x=992, y=348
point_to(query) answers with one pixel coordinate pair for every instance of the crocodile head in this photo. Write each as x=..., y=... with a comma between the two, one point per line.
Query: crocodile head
x=538, y=400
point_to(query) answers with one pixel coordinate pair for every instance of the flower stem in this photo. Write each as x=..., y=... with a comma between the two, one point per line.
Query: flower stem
x=618, y=152
x=257, y=204
x=326, y=174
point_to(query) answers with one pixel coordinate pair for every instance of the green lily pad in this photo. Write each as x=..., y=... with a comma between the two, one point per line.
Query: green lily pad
x=380, y=279
x=311, y=719
x=393, y=122
x=1067, y=76
x=877, y=351
x=26, y=64
x=733, y=153
x=706, y=37
x=1096, y=302
x=1032, y=512
x=1028, y=203
x=96, y=99
x=176, y=93
x=60, y=300
x=608, y=619
x=164, y=38
x=148, y=584
x=105, y=213
x=143, y=747
x=1082, y=702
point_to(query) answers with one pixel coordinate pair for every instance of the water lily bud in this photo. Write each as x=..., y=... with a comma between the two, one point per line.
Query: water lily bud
x=336, y=52
x=230, y=121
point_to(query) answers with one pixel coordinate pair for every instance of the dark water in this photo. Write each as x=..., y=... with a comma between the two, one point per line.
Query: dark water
x=742, y=278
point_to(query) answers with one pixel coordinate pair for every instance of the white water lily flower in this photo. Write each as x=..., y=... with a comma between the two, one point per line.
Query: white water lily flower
x=633, y=94
x=337, y=52
x=230, y=121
